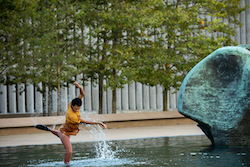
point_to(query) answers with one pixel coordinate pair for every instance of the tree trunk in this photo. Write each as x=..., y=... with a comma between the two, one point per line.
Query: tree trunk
x=114, y=102
x=58, y=92
x=50, y=100
x=165, y=100
x=114, y=95
x=101, y=75
x=100, y=93
x=44, y=99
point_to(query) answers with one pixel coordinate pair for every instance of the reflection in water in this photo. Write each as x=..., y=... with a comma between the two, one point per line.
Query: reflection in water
x=188, y=151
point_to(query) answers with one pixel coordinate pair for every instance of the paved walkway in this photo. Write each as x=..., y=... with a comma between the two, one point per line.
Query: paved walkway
x=110, y=134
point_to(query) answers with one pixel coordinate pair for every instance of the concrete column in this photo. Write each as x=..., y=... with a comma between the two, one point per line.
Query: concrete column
x=54, y=101
x=125, y=97
x=39, y=99
x=172, y=100
x=159, y=97
x=3, y=99
x=72, y=92
x=12, y=99
x=237, y=35
x=168, y=100
x=21, y=98
x=139, y=103
x=177, y=95
x=146, y=103
x=248, y=23
x=95, y=97
x=46, y=99
x=104, y=102
x=243, y=21
x=118, y=99
x=30, y=98
x=209, y=19
x=109, y=100
x=232, y=37
x=131, y=88
x=152, y=97
x=87, y=99
x=63, y=100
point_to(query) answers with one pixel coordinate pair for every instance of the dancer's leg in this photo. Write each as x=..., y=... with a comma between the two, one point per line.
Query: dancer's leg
x=55, y=132
x=65, y=141
x=67, y=145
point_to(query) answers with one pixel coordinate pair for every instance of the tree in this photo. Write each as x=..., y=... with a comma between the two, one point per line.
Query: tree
x=14, y=32
x=38, y=43
x=117, y=27
x=189, y=31
x=152, y=42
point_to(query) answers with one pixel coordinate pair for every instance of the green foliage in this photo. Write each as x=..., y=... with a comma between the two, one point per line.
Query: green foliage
x=187, y=32
x=152, y=42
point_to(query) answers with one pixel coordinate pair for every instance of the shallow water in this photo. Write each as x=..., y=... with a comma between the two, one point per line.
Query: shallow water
x=187, y=151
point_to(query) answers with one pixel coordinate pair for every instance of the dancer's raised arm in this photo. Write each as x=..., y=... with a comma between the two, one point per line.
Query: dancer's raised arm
x=82, y=93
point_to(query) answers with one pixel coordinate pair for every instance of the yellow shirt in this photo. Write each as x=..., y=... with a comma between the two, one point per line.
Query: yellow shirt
x=72, y=116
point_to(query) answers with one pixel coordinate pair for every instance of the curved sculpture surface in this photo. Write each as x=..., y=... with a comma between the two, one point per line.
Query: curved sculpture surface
x=216, y=94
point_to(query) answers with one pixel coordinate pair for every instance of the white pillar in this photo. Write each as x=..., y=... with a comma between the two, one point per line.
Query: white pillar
x=125, y=97
x=248, y=23
x=173, y=103
x=63, y=100
x=72, y=92
x=159, y=97
x=118, y=99
x=243, y=21
x=132, y=96
x=146, y=105
x=87, y=99
x=232, y=37
x=21, y=98
x=139, y=103
x=39, y=99
x=95, y=97
x=109, y=100
x=168, y=100
x=46, y=99
x=30, y=98
x=209, y=19
x=3, y=99
x=152, y=93
x=104, y=102
x=54, y=101
x=12, y=99
x=237, y=34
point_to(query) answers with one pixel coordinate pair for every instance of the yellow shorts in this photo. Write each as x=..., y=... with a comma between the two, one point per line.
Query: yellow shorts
x=69, y=129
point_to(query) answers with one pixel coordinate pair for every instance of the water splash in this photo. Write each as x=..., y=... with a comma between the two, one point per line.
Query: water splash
x=102, y=146
x=33, y=117
x=105, y=149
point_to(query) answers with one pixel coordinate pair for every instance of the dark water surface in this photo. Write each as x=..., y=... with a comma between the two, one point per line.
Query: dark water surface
x=185, y=151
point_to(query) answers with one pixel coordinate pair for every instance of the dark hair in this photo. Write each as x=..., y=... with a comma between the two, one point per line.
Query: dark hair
x=77, y=101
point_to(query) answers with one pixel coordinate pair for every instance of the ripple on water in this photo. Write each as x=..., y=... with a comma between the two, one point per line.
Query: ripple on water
x=100, y=162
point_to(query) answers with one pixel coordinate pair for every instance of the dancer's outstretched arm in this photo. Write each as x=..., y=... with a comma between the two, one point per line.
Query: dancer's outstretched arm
x=90, y=122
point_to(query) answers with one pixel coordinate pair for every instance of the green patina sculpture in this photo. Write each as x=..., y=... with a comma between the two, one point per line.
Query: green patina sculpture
x=216, y=94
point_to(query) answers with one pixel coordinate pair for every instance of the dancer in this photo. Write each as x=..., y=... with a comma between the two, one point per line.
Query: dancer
x=71, y=125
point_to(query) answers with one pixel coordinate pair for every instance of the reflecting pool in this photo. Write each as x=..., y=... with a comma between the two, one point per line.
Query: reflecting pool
x=185, y=151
